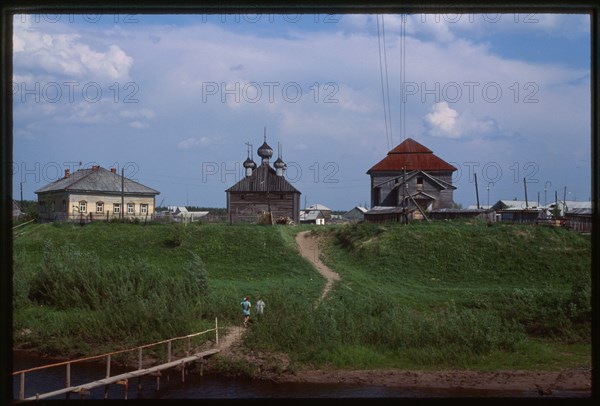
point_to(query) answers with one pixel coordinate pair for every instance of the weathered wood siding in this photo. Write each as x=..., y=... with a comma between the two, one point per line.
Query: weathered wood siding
x=389, y=192
x=248, y=207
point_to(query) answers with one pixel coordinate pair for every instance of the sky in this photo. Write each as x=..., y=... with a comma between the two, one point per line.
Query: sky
x=172, y=100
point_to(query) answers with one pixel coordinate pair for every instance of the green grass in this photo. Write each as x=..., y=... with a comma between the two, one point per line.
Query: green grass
x=423, y=296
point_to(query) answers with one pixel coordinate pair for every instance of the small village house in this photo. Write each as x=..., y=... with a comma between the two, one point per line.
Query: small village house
x=518, y=211
x=356, y=214
x=579, y=219
x=315, y=214
x=576, y=215
x=325, y=211
x=409, y=182
x=180, y=214
x=95, y=194
x=263, y=195
x=312, y=217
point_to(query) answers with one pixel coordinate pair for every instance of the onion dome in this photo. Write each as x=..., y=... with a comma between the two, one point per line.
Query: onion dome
x=249, y=163
x=265, y=151
x=279, y=164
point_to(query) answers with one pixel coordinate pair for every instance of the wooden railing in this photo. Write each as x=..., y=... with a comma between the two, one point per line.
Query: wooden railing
x=108, y=356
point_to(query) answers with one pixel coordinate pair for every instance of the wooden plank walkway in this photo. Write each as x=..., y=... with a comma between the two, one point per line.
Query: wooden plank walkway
x=123, y=378
x=126, y=376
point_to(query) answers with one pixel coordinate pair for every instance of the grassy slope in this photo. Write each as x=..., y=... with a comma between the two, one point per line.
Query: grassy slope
x=504, y=295
x=422, y=296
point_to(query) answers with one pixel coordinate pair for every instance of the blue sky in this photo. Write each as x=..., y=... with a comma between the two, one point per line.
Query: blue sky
x=173, y=100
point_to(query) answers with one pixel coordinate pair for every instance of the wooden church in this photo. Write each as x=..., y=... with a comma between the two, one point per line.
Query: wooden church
x=410, y=179
x=263, y=195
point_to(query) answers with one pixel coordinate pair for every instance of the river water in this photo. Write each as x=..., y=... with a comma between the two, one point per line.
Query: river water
x=217, y=387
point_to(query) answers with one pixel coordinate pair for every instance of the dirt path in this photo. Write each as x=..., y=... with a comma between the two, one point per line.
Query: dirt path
x=233, y=336
x=310, y=248
x=570, y=382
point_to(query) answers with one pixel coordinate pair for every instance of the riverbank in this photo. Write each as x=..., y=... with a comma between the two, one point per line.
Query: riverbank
x=545, y=383
x=451, y=296
x=451, y=382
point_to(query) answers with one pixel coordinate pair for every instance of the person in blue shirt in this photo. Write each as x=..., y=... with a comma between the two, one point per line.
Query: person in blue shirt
x=246, y=310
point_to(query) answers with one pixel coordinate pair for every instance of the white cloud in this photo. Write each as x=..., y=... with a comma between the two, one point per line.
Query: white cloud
x=142, y=113
x=445, y=122
x=442, y=121
x=67, y=55
x=138, y=125
x=193, y=142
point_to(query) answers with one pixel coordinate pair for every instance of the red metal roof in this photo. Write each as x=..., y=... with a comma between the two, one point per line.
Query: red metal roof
x=411, y=155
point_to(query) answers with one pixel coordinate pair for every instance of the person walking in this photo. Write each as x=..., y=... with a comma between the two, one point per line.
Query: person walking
x=260, y=307
x=246, y=310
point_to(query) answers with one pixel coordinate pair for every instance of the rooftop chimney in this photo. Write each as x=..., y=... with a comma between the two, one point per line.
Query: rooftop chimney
x=113, y=170
x=67, y=173
x=95, y=167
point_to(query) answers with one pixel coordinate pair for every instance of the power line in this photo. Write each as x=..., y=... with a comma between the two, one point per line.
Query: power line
x=402, y=76
x=384, y=86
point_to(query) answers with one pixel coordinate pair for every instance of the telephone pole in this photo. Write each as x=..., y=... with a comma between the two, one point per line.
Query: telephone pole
x=476, y=190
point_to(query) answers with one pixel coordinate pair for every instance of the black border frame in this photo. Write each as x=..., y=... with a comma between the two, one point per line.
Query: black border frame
x=11, y=7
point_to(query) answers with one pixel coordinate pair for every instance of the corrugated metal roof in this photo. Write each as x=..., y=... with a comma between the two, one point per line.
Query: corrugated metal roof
x=515, y=205
x=411, y=155
x=97, y=180
x=360, y=208
x=581, y=211
x=263, y=179
x=318, y=207
x=310, y=215
x=387, y=209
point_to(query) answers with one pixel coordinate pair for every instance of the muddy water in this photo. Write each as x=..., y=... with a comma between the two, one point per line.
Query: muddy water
x=216, y=387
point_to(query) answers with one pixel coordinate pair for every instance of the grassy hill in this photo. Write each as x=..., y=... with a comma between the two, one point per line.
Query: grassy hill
x=429, y=295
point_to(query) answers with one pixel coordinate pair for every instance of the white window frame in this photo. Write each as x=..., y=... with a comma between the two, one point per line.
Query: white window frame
x=143, y=208
x=82, y=206
x=99, y=207
x=117, y=208
x=130, y=208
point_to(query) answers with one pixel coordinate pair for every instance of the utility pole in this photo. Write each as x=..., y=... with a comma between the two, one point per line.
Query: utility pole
x=22, y=208
x=404, y=216
x=122, y=192
x=565, y=201
x=476, y=190
x=525, y=186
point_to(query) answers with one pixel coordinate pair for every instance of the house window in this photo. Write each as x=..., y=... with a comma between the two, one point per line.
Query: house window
x=130, y=208
x=99, y=207
x=144, y=208
x=52, y=206
x=83, y=206
x=117, y=208
x=42, y=207
x=419, y=183
x=64, y=205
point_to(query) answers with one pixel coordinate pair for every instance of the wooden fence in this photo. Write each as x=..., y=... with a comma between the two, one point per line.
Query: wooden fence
x=122, y=379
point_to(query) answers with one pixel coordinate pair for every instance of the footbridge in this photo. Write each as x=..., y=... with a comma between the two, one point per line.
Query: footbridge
x=176, y=353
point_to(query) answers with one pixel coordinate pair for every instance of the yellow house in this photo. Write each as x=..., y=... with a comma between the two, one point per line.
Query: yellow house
x=95, y=194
